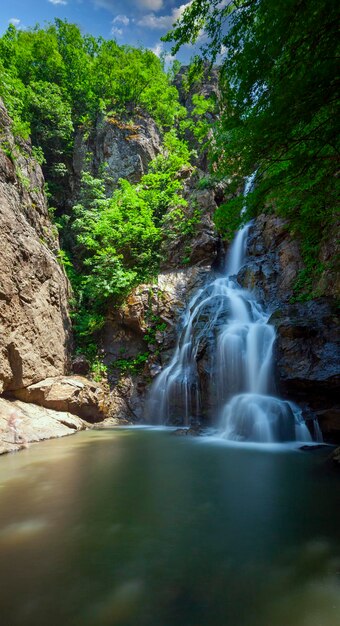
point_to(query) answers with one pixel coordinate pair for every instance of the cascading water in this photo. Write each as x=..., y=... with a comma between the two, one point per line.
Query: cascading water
x=240, y=387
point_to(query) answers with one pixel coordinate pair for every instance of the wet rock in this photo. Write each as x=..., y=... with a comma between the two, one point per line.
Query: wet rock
x=73, y=394
x=127, y=398
x=329, y=421
x=193, y=431
x=312, y=447
x=336, y=456
x=146, y=323
x=274, y=261
x=22, y=423
x=307, y=355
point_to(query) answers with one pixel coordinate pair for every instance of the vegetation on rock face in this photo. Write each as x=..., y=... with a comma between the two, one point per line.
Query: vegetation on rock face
x=118, y=238
x=277, y=116
x=55, y=79
x=280, y=92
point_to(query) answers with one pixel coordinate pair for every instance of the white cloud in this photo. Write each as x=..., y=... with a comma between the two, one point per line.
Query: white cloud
x=151, y=5
x=163, y=22
x=158, y=50
x=121, y=19
x=116, y=32
x=141, y=5
x=57, y=1
x=15, y=21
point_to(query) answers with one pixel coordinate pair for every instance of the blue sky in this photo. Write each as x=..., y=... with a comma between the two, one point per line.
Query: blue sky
x=135, y=22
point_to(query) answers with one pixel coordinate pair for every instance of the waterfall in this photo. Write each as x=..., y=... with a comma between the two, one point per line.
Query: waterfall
x=224, y=323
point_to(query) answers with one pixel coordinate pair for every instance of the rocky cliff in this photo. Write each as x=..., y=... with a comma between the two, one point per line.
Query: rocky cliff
x=115, y=148
x=35, y=327
x=139, y=337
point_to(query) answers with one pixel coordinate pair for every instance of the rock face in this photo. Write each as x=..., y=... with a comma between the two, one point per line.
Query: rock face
x=308, y=358
x=22, y=423
x=307, y=352
x=35, y=330
x=73, y=394
x=198, y=243
x=274, y=261
x=123, y=148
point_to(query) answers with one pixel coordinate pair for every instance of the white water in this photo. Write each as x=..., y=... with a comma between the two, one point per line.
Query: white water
x=238, y=370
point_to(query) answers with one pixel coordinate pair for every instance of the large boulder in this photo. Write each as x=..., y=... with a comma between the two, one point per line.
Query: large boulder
x=74, y=394
x=35, y=329
x=22, y=423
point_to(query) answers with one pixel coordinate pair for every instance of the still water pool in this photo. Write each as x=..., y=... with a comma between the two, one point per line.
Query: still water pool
x=138, y=527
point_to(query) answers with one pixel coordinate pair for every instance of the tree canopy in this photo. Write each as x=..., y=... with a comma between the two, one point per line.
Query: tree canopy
x=280, y=90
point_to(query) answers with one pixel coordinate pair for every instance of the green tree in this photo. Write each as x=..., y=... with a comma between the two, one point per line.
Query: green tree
x=280, y=91
x=118, y=238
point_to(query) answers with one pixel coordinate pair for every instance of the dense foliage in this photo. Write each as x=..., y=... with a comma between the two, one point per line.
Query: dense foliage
x=55, y=79
x=118, y=238
x=280, y=90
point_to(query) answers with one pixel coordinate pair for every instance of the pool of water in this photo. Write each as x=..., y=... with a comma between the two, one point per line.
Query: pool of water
x=138, y=527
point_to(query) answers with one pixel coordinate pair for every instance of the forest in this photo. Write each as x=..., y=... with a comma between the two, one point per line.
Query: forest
x=276, y=108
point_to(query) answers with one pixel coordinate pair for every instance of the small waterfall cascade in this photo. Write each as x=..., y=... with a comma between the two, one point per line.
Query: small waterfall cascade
x=224, y=323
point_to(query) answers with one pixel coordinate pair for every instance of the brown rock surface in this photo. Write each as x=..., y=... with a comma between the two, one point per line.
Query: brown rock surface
x=22, y=423
x=146, y=324
x=34, y=321
x=74, y=394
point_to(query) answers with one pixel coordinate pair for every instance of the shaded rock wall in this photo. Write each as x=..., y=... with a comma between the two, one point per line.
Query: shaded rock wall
x=307, y=348
x=274, y=261
x=35, y=330
x=307, y=355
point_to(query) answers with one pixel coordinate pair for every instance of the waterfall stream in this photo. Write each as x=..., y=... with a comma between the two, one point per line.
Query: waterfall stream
x=226, y=322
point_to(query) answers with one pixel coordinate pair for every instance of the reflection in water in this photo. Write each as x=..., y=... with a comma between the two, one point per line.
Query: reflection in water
x=138, y=528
